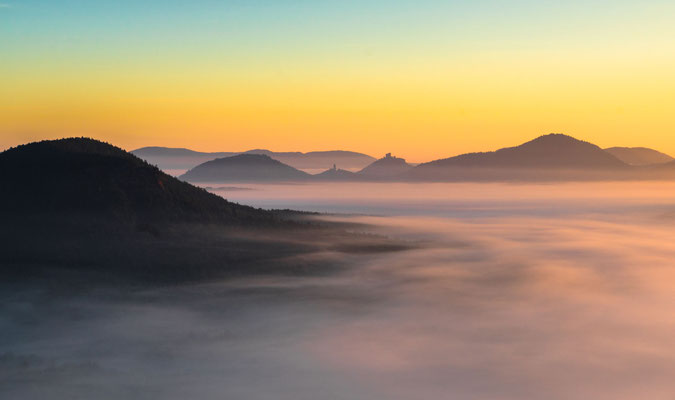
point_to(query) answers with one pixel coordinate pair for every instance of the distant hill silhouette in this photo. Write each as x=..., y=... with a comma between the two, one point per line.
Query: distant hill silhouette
x=87, y=176
x=548, y=151
x=639, y=155
x=386, y=167
x=183, y=159
x=336, y=174
x=555, y=156
x=244, y=168
x=548, y=157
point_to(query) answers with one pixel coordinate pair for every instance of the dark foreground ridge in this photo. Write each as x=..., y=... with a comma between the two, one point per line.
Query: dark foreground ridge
x=85, y=176
x=88, y=210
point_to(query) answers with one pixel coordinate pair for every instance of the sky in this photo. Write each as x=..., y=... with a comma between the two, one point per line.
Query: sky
x=422, y=79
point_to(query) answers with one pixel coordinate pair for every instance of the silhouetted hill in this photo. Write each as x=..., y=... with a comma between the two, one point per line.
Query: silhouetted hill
x=336, y=174
x=549, y=156
x=386, y=167
x=244, y=168
x=639, y=155
x=548, y=151
x=179, y=158
x=87, y=176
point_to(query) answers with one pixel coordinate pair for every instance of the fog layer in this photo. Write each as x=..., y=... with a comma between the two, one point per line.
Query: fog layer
x=560, y=291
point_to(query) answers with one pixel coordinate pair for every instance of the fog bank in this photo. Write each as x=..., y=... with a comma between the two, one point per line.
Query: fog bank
x=516, y=292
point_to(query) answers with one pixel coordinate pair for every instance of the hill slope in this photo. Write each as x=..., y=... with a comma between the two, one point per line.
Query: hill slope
x=639, y=155
x=244, y=168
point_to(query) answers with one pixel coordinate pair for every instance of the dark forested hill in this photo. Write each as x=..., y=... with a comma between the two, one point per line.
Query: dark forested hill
x=80, y=175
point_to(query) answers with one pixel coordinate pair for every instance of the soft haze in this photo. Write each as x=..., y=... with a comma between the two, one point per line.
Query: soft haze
x=423, y=79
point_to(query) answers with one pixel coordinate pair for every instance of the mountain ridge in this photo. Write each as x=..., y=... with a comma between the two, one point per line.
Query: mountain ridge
x=547, y=157
x=550, y=156
x=551, y=150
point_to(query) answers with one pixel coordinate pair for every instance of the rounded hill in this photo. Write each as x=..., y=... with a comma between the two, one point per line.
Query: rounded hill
x=244, y=167
x=81, y=175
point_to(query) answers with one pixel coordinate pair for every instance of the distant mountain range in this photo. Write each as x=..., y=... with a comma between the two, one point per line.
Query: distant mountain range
x=183, y=159
x=262, y=168
x=548, y=157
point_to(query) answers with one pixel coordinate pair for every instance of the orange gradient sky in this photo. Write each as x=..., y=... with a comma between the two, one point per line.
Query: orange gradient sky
x=423, y=80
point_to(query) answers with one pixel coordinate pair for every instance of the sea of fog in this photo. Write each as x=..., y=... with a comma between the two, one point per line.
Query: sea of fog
x=562, y=291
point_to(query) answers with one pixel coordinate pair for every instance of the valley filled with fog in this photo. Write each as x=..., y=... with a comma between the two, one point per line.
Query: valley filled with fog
x=509, y=291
